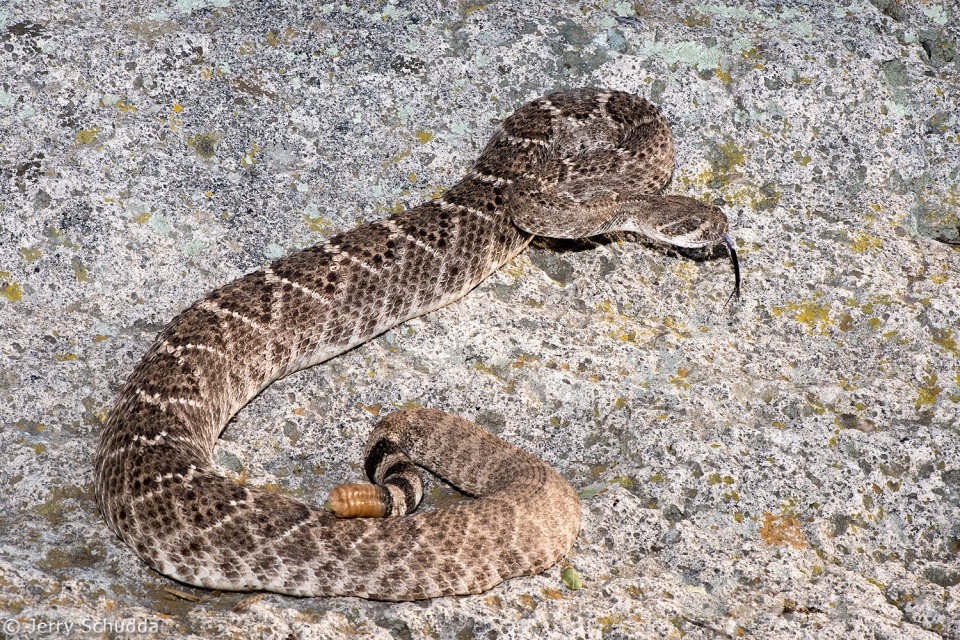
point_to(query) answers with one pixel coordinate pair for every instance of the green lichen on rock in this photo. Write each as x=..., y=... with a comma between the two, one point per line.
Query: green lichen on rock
x=205, y=144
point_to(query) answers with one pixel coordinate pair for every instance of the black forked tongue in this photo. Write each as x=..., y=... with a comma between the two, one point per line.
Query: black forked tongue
x=736, y=269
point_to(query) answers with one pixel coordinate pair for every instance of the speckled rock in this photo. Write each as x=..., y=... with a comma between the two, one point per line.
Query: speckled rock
x=785, y=465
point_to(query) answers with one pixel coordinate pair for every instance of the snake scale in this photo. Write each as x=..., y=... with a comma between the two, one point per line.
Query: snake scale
x=570, y=165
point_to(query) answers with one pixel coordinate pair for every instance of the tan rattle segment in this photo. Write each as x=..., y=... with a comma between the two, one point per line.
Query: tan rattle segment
x=359, y=501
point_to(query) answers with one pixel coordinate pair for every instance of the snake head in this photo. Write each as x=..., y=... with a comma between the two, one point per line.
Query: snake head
x=686, y=223
x=682, y=222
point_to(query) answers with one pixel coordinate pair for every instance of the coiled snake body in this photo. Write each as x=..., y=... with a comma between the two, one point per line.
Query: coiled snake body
x=573, y=164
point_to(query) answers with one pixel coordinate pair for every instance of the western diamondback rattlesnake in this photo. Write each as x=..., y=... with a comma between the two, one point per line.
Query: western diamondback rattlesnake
x=570, y=165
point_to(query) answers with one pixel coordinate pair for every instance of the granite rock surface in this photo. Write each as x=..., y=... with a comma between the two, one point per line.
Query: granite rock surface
x=785, y=465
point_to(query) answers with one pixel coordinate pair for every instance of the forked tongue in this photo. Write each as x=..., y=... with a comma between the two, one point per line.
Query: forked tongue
x=736, y=268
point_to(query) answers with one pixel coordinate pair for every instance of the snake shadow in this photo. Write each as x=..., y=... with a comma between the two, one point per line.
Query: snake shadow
x=561, y=246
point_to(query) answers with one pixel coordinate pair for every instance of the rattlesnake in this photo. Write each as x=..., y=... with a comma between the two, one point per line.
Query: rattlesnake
x=570, y=165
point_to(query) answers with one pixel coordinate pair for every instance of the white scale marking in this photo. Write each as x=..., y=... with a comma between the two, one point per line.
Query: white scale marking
x=227, y=518
x=478, y=213
x=691, y=238
x=423, y=245
x=154, y=440
x=549, y=106
x=149, y=494
x=187, y=478
x=191, y=347
x=489, y=179
x=211, y=306
x=526, y=142
x=148, y=398
x=146, y=496
x=397, y=231
x=290, y=531
x=307, y=290
x=181, y=400
x=163, y=402
x=462, y=207
x=360, y=262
